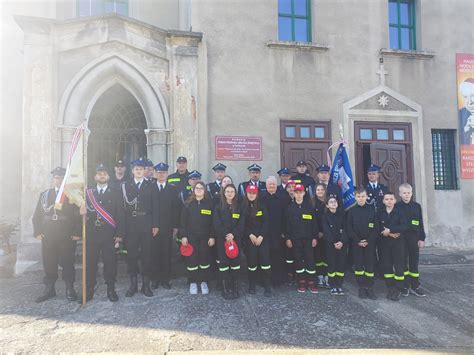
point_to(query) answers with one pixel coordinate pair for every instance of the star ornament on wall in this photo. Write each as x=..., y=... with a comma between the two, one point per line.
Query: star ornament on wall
x=383, y=101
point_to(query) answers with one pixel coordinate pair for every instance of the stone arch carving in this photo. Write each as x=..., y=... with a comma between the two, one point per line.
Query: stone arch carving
x=98, y=76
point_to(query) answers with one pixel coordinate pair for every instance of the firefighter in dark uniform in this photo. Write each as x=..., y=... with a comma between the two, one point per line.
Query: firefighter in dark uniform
x=214, y=188
x=180, y=177
x=361, y=228
x=229, y=223
x=392, y=224
x=301, y=236
x=302, y=177
x=58, y=231
x=256, y=241
x=141, y=227
x=165, y=196
x=255, y=171
x=319, y=203
x=375, y=190
x=105, y=230
x=284, y=174
x=120, y=175
x=193, y=177
x=196, y=230
x=414, y=238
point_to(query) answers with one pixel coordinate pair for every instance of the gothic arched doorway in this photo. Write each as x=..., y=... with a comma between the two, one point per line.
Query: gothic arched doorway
x=117, y=124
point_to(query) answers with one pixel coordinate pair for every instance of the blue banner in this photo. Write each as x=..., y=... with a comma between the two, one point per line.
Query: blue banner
x=341, y=176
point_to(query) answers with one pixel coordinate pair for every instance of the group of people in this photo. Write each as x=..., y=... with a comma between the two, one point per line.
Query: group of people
x=295, y=229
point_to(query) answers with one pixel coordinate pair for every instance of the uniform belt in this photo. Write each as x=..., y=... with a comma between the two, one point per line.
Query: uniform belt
x=136, y=213
x=55, y=218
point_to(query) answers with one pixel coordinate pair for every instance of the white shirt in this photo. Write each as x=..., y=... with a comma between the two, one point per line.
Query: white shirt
x=103, y=188
x=161, y=185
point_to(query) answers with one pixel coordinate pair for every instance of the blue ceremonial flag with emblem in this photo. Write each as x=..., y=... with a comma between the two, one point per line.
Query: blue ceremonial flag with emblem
x=341, y=175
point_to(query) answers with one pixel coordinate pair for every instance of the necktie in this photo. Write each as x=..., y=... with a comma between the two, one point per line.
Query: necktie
x=138, y=185
x=161, y=187
x=101, y=191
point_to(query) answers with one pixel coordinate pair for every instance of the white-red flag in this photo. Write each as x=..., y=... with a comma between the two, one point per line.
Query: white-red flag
x=75, y=179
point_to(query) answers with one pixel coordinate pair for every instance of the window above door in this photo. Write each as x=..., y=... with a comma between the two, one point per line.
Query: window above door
x=377, y=132
x=319, y=131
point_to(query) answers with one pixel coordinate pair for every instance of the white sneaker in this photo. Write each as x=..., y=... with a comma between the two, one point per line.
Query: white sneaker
x=204, y=288
x=193, y=289
x=320, y=281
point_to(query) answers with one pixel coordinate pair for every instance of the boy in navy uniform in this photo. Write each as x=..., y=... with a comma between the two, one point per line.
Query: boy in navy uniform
x=255, y=171
x=361, y=228
x=392, y=224
x=105, y=229
x=331, y=189
x=180, y=177
x=375, y=190
x=58, y=231
x=214, y=188
x=414, y=238
x=141, y=227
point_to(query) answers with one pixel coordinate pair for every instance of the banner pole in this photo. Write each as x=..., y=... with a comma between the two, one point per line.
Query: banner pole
x=84, y=235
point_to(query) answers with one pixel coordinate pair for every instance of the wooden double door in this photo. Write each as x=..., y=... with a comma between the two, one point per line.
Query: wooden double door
x=388, y=145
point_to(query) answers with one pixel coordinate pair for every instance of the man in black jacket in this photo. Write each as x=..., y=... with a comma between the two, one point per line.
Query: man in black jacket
x=141, y=227
x=375, y=190
x=214, y=188
x=255, y=172
x=276, y=204
x=302, y=177
x=180, y=177
x=105, y=230
x=165, y=197
x=58, y=230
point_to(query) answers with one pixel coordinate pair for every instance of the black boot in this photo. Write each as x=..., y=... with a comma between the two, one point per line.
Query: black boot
x=268, y=289
x=235, y=287
x=251, y=283
x=226, y=291
x=133, y=286
x=111, y=294
x=146, y=290
x=70, y=292
x=49, y=292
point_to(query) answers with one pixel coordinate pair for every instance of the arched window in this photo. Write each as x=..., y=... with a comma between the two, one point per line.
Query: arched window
x=100, y=7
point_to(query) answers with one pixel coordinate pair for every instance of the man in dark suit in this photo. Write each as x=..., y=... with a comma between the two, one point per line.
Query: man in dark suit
x=255, y=171
x=375, y=190
x=141, y=227
x=105, y=230
x=215, y=187
x=58, y=231
x=165, y=196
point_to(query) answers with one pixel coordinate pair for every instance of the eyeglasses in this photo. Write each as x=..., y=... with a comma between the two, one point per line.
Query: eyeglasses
x=199, y=188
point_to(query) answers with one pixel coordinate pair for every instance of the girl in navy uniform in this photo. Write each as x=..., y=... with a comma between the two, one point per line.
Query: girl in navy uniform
x=229, y=222
x=196, y=229
x=256, y=243
x=333, y=225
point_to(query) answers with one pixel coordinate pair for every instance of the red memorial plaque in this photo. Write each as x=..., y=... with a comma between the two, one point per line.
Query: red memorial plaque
x=238, y=148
